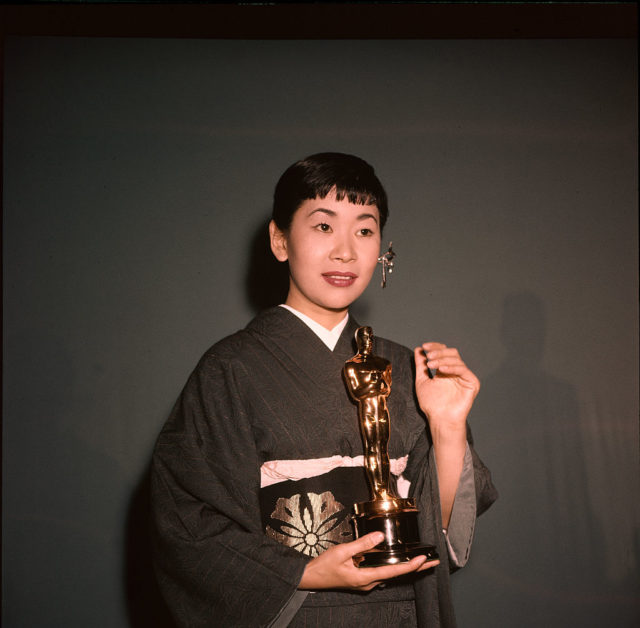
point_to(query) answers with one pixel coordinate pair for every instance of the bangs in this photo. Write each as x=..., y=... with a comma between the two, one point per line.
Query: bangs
x=354, y=194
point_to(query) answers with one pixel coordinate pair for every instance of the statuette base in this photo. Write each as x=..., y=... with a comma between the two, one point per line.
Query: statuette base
x=381, y=557
x=399, y=525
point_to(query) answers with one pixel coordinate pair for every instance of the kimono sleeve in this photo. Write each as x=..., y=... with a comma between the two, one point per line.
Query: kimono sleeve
x=214, y=564
x=474, y=495
x=434, y=600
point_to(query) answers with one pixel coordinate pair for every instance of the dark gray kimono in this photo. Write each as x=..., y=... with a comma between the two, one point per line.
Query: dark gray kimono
x=274, y=391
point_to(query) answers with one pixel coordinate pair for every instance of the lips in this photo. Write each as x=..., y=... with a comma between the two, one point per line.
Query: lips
x=339, y=279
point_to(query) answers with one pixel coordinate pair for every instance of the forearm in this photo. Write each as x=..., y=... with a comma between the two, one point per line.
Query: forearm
x=449, y=447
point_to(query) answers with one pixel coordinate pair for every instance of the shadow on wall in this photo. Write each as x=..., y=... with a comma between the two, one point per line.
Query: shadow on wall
x=145, y=605
x=547, y=540
x=267, y=279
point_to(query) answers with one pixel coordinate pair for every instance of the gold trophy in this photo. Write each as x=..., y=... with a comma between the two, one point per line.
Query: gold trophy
x=368, y=379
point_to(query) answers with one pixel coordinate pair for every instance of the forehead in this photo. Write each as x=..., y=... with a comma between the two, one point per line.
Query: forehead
x=341, y=209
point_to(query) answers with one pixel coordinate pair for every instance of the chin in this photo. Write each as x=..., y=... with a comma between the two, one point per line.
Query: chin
x=332, y=299
x=340, y=304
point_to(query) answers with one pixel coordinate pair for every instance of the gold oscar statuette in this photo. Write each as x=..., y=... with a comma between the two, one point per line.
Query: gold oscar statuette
x=368, y=379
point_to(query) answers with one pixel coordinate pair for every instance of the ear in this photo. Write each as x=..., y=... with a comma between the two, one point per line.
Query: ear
x=278, y=242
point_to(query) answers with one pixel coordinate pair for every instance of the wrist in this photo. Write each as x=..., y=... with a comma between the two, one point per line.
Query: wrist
x=449, y=435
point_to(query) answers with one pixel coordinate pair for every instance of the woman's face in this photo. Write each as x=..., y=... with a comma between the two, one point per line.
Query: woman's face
x=332, y=247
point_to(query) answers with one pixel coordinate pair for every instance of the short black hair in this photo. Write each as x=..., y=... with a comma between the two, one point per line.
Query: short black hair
x=316, y=175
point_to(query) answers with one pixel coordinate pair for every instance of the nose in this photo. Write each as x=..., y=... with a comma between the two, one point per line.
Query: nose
x=344, y=249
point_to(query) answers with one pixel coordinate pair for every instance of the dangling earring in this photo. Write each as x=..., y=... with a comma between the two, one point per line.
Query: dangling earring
x=387, y=264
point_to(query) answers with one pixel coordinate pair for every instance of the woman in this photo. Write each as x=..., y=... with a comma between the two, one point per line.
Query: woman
x=257, y=468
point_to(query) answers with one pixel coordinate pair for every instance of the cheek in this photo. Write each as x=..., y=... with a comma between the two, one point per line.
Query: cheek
x=371, y=258
x=302, y=256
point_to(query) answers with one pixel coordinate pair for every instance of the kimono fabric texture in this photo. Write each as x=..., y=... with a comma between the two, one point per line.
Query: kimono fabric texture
x=229, y=547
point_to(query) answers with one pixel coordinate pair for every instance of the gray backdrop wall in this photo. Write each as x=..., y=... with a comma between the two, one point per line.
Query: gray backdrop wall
x=137, y=178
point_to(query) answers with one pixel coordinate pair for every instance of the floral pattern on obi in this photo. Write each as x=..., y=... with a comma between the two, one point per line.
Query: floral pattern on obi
x=310, y=523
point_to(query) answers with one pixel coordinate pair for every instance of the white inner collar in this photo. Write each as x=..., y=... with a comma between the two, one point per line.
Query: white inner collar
x=328, y=336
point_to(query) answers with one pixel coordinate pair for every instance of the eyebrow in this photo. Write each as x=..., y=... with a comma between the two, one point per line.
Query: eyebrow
x=333, y=214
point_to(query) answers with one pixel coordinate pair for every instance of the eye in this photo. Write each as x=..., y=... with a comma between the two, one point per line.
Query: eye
x=324, y=227
x=365, y=231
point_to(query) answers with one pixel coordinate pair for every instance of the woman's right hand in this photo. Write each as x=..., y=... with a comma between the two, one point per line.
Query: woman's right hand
x=335, y=569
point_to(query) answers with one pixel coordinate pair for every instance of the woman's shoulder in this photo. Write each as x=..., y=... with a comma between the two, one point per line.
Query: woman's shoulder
x=391, y=349
x=228, y=347
x=243, y=344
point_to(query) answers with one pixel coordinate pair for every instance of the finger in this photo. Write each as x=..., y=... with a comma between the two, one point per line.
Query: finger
x=382, y=574
x=420, y=356
x=364, y=543
x=446, y=352
x=374, y=575
x=437, y=351
x=462, y=375
x=428, y=565
x=454, y=360
x=458, y=370
x=440, y=351
x=422, y=368
x=432, y=346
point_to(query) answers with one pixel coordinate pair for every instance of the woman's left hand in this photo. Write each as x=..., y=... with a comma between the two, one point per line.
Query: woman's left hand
x=447, y=398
